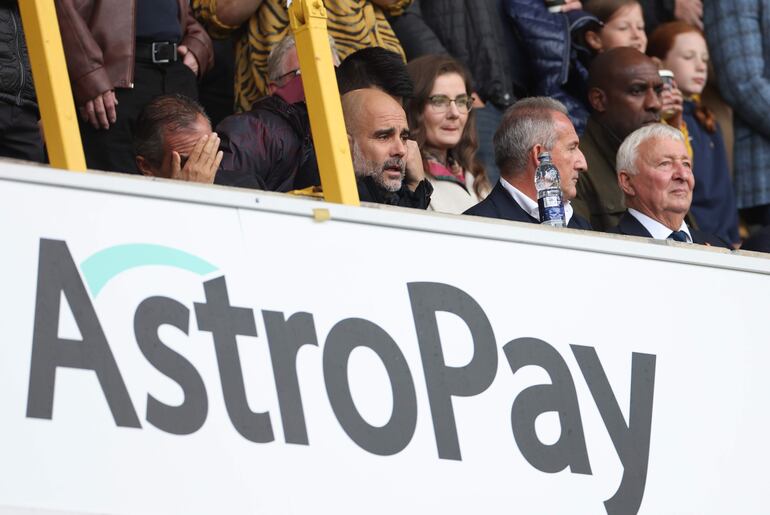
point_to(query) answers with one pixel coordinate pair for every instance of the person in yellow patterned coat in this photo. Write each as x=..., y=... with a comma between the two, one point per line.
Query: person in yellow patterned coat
x=261, y=24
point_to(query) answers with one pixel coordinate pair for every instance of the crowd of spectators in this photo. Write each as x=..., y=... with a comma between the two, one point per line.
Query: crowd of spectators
x=448, y=104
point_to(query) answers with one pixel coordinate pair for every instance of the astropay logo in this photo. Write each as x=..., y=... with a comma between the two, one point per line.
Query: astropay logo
x=59, y=278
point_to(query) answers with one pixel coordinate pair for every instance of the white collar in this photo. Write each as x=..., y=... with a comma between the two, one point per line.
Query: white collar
x=655, y=228
x=529, y=205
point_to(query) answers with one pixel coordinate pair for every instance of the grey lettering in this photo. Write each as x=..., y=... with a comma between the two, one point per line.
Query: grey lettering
x=442, y=381
x=396, y=434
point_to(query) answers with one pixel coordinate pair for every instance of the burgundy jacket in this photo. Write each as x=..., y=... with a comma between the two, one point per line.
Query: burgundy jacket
x=99, y=38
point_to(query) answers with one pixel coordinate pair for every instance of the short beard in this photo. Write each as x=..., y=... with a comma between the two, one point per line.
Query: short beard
x=366, y=168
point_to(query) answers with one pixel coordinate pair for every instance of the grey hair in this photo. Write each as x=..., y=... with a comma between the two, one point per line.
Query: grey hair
x=526, y=123
x=628, y=153
x=277, y=57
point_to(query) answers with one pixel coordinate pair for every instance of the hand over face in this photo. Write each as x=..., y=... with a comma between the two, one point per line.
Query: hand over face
x=202, y=163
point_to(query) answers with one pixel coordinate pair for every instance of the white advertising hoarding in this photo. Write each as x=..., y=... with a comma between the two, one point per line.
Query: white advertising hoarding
x=178, y=349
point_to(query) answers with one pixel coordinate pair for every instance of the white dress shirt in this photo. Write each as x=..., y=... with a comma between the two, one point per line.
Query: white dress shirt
x=529, y=205
x=655, y=228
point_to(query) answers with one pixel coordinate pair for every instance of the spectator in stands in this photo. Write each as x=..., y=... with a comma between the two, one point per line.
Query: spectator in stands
x=271, y=147
x=624, y=92
x=737, y=32
x=121, y=54
x=554, y=60
x=531, y=126
x=622, y=25
x=681, y=48
x=388, y=168
x=19, y=131
x=375, y=67
x=442, y=123
x=655, y=174
x=262, y=24
x=472, y=33
x=173, y=139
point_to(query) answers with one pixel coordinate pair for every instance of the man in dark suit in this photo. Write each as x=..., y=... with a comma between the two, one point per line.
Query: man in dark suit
x=529, y=127
x=655, y=174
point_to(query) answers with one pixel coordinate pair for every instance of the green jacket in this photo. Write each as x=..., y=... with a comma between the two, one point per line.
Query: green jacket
x=599, y=198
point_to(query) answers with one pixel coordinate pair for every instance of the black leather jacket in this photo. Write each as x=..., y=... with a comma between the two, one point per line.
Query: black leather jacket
x=16, y=85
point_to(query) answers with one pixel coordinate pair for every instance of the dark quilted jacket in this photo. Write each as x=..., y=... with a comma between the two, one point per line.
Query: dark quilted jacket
x=15, y=74
x=556, y=67
x=468, y=30
x=268, y=148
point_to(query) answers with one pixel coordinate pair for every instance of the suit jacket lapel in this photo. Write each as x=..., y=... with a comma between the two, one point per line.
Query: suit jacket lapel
x=508, y=208
x=632, y=227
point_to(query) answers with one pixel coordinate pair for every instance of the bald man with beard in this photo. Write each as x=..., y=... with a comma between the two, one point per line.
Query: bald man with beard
x=624, y=90
x=386, y=162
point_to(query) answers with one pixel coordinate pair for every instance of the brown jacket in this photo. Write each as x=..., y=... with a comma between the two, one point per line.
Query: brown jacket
x=99, y=43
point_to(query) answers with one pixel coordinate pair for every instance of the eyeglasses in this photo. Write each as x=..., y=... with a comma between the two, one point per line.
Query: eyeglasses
x=440, y=103
x=293, y=73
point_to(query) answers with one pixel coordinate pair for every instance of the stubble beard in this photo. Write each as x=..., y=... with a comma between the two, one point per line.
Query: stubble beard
x=363, y=167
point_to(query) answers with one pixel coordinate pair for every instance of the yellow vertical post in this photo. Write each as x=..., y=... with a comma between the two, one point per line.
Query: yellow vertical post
x=52, y=85
x=308, y=23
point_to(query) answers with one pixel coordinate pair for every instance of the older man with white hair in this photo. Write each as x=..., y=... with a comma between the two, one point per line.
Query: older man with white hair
x=655, y=174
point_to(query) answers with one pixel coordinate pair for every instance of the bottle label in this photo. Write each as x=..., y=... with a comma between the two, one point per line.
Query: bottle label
x=551, y=201
x=551, y=209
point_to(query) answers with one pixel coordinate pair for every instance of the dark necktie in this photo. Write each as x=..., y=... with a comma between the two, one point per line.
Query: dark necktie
x=678, y=236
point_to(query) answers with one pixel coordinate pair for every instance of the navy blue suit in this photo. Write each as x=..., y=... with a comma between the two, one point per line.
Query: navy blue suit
x=500, y=204
x=630, y=226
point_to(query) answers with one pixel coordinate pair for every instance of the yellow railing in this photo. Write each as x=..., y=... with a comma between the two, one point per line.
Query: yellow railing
x=308, y=22
x=52, y=85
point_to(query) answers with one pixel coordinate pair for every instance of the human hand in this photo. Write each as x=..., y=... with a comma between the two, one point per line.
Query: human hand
x=415, y=173
x=690, y=11
x=672, y=102
x=100, y=112
x=188, y=58
x=202, y=163
x=571, y=5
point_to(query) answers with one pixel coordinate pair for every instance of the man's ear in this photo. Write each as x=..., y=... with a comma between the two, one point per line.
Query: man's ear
x=143, y=166
x=598, y=99
x=594, y=41
x=625, y=182
x=272, y=87
x=534, y=154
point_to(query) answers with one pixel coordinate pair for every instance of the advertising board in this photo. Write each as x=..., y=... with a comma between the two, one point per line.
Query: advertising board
x=170, y=348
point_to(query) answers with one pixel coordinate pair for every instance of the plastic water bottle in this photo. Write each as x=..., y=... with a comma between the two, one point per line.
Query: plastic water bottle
x=549, y=199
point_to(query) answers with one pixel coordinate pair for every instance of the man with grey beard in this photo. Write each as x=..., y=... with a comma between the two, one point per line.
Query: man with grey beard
x=387, y=164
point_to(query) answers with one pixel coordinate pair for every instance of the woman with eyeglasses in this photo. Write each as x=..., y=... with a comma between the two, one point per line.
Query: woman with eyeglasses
x=443, y=124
